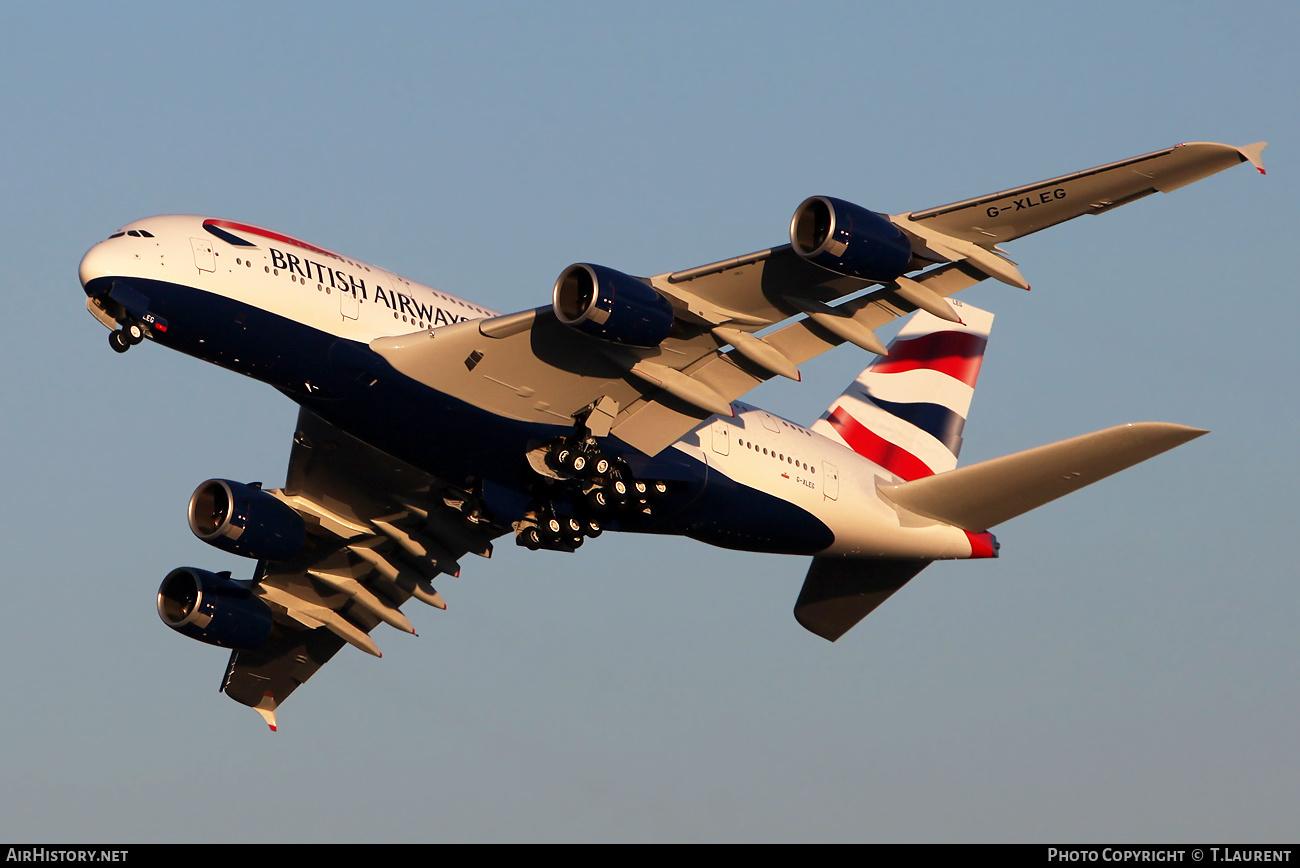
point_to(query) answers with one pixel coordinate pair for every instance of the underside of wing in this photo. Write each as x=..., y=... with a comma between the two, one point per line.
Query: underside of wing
x=532, y=367
x=378, y=532
x=662, y=354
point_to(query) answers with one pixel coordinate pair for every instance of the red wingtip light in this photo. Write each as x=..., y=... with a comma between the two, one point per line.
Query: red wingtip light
x=1261, y=170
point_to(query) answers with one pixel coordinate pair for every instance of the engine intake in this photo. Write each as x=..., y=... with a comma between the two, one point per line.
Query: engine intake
x=245, y=520
x=850, y=240
x=213, y=608
x=611, y=305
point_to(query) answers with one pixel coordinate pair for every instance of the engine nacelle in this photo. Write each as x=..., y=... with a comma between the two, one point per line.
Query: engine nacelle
x=245, y=520
x=611, y=305
x=848, y=239
x=213, y=608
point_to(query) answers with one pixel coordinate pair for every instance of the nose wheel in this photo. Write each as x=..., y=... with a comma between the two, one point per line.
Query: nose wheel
x=130, y=334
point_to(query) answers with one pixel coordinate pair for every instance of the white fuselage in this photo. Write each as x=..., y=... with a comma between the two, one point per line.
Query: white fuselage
x=345, y=298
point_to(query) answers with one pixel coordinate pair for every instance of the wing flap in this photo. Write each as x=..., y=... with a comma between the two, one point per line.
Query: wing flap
x=983, y=495
x=653, y=425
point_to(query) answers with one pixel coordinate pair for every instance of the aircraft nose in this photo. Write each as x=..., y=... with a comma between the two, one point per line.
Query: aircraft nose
x=97, y=262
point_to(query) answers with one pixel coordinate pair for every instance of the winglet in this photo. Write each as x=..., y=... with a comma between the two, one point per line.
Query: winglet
x=266, y=708
x=1252, y=153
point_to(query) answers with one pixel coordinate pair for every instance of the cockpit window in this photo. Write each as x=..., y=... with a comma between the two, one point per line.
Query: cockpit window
x=146, y=233
x=117, y=235
x=134, y=233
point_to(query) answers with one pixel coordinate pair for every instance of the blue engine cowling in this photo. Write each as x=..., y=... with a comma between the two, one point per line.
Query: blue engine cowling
x=611, y=305
x=245, y=520
x=848, y=239
x=213, y=608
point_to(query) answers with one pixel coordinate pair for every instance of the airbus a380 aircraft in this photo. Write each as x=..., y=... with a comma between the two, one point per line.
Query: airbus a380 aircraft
x=430, y=426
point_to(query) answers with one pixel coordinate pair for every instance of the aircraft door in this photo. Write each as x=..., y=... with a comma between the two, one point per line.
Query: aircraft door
x=830, y=481
x=722, y=438
x=349, y=304
x=204, y=258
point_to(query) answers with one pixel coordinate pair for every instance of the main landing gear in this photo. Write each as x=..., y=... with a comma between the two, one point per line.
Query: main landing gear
x=573, y=469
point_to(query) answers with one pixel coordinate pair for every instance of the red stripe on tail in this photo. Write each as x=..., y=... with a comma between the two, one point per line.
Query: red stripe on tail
x=873, y=447
x=957, y=354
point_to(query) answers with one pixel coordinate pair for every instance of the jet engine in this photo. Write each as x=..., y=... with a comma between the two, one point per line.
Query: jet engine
x=848, y=239
x=245, y=520
x=611, y=305
x=213, y=608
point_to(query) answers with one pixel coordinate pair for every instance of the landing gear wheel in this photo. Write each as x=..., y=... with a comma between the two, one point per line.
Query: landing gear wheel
x=118, y=341
x=576, y=462
x=659, y=489
x=598, y=500
x=530, y=539
x=592, y=528
x=601, y=466
x=134, y=333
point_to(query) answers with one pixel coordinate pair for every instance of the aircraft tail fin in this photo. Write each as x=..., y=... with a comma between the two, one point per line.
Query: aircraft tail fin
x=906, y=411
x=977, y=497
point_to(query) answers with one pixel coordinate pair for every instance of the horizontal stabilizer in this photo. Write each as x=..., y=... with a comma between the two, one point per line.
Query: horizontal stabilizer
x=982, y=495
x=840, y=592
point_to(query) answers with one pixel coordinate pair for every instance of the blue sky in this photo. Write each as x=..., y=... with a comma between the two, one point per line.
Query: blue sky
x=1125, y=672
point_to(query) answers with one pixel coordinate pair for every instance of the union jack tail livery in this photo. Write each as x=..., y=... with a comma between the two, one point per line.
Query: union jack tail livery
x=907, y=410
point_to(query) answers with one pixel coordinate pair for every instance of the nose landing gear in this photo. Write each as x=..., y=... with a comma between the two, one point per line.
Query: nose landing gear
x=130, y=334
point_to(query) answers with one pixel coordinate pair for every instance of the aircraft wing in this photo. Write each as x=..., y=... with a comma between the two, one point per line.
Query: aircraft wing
x=532, y=367
x=378, y=531
x=1014, y=213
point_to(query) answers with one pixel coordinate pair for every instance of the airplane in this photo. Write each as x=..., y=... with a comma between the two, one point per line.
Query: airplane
x=430, y=426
